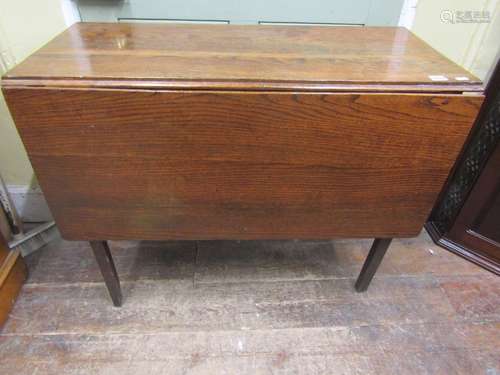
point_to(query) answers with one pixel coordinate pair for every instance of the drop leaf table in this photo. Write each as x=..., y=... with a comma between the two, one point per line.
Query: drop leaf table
x=193, y=132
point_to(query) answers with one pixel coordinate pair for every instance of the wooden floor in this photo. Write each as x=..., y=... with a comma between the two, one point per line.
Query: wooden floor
x=262, y=307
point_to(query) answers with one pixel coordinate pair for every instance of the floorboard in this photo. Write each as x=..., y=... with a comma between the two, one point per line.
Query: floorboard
x=254, y=307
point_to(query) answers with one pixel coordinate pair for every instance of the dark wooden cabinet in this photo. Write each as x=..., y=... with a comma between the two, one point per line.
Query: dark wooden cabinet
x=467, y=218
x=478, y=224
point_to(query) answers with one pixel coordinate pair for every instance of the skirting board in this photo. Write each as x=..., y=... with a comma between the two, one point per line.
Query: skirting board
x=29, y=203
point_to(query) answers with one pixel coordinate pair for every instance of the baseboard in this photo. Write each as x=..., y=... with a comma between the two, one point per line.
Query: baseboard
x=29, y=203
x=466, y=253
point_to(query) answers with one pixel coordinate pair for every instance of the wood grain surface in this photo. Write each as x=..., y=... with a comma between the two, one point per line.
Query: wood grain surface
x=117, y=164
x=240, y=57
x=13, y=273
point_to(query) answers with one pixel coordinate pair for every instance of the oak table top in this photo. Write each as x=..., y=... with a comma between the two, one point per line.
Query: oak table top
x=241, y=57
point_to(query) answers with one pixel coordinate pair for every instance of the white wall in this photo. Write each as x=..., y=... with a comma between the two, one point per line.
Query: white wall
x=25, y=26
x=471, y=45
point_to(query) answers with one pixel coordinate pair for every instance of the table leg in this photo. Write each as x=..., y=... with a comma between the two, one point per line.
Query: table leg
x=372, y=262
x=108, y=270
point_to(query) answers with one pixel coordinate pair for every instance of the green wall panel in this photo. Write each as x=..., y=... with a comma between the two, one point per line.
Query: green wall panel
x=335, y=12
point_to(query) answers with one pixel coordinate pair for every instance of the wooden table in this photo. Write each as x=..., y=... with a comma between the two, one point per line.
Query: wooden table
x=156, y=132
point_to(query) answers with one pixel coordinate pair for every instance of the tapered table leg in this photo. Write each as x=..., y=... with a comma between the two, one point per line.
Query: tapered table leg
x=372, y=262
x=108, y=270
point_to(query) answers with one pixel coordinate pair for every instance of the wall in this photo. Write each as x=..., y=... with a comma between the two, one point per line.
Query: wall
x=471, y=45
x=24, y=27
